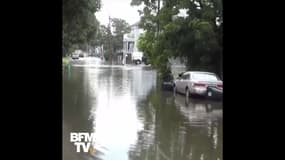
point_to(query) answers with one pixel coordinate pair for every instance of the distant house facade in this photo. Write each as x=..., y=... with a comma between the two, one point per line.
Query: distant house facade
x=130, y=41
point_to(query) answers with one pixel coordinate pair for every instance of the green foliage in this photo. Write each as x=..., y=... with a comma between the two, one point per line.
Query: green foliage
x=197, y=38
x=121, y=27
x=79, y=23
x=102, y=36
x=65, y=61
x=112, y=40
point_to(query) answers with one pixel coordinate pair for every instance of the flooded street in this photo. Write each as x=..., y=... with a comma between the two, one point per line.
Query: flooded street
x=133, y=119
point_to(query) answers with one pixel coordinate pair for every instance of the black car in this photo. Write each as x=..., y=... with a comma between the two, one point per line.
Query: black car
x=167, y=82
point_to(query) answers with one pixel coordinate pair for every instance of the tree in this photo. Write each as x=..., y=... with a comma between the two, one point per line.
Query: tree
x=120, y=27
x=197, y=37
x=101, y=36
x=79, y=22
x=104, y=35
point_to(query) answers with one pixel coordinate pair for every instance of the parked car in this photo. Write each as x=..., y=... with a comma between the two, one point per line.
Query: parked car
x=197, y=83
x=75, y=55
x=81, y=54
x=168, y=82
x=137, y=57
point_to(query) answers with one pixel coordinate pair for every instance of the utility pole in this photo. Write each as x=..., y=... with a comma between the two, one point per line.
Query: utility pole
x=110, y=42
x=158, y=9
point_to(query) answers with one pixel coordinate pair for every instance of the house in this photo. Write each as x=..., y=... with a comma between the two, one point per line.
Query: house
x=130, y=51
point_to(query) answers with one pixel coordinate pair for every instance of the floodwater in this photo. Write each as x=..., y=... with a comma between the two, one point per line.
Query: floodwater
x=133, y=119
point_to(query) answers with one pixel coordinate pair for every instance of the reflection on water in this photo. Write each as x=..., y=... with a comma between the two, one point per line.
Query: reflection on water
x=178, y=130
x=133, y=119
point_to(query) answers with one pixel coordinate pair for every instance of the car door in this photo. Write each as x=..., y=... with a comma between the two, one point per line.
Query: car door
x=178, y=83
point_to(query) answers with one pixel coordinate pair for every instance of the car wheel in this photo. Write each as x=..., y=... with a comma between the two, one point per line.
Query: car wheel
x=187, y=96
x=187, y=93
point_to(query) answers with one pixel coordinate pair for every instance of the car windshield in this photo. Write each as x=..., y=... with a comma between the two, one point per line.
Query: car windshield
x=204, y=77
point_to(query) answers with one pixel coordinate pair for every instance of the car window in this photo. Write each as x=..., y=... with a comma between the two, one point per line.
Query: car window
x=204, y=77
x=185, y=76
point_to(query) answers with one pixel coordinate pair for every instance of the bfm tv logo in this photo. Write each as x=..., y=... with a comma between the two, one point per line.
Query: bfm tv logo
x=83, y=139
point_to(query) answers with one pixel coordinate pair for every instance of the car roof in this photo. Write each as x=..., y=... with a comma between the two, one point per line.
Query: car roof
x=189, y=72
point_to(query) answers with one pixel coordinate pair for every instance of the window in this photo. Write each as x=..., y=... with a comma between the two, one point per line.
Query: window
x=185, y=76
x=204, y=77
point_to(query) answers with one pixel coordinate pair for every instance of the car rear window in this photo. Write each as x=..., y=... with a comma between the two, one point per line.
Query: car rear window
x=204, y=77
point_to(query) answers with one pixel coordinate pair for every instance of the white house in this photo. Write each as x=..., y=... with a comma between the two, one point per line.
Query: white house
x=130, y=50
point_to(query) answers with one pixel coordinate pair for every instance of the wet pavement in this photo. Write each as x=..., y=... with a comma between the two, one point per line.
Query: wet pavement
x=133, y=119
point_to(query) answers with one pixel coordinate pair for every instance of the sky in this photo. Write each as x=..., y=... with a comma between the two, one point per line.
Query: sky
x=118, y=9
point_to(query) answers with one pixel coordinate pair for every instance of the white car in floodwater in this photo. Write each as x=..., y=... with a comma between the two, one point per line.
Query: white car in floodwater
x=76, y=54
x=197, y=83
